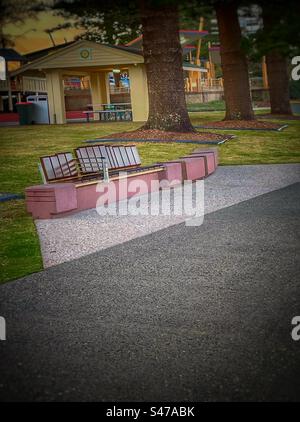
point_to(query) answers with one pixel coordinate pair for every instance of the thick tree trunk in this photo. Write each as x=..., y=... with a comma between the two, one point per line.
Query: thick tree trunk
x=278, y=80
x=163, y=61
x=277, y=70
x=234, y=64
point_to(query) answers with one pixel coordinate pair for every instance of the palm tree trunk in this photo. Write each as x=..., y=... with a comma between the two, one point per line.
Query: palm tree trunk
x=234, y=64
x=163, y=62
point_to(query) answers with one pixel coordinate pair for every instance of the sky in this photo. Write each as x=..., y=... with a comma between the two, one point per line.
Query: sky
x=30, y=36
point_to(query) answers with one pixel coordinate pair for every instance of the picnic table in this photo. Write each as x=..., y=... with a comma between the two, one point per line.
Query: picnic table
x=111, y=112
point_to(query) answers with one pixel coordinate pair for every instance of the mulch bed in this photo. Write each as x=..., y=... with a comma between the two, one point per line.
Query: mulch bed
x=242, y=125
x=141, y=135
x=279, y=117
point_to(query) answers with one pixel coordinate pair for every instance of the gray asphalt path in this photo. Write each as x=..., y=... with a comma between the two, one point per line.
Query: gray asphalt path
x=187, y=313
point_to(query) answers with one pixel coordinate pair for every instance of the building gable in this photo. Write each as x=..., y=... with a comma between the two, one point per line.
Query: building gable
x=85, y=54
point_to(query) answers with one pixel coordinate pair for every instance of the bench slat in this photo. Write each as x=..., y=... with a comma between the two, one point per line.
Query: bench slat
x=117, y=156
x=59, y=166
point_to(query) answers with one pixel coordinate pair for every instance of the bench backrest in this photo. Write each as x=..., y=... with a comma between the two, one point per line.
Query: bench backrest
x=124, y=156
x=59, y=166
x=91, y=158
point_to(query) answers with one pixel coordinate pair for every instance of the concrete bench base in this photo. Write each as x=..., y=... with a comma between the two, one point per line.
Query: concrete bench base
x=192, y=168
x=48, y=201
x=210, y=151
x=209, y=161
x=60, y=199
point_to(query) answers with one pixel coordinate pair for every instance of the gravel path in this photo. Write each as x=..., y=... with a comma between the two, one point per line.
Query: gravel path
x=86, y=232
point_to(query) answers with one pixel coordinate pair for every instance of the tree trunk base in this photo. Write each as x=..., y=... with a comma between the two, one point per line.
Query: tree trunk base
x=145, y=135
x=180, y=128
x=246, y=117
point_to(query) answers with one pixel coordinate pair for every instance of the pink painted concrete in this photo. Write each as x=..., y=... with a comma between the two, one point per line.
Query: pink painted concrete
x=209, y=160
x=56, y=200
x=215, y=151
x=191, y=168
x=194, y=168
x=90, y=196
x=172, y=174
x=46, y=201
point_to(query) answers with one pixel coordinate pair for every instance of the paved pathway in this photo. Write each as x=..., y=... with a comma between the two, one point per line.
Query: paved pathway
x=84, y=233
x=186, y=313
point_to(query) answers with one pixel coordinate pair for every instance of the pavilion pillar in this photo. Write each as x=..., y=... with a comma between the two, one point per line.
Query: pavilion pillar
x=56, y=98
x=10, y=101
x=264, y=73
x=105, y=87
x=138, y=93
x=99, y=90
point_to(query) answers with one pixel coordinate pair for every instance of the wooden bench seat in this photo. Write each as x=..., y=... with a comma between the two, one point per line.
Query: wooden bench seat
x=117, y=157
x=89, y=163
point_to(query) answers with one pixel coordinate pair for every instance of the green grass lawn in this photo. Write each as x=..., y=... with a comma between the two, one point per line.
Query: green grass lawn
x=217, y=105
x=20, y=148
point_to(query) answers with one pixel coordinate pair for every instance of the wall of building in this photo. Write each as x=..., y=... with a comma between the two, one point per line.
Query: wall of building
x=77, y=100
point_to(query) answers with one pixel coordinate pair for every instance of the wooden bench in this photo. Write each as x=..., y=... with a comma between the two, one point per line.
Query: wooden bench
x=62, y=167
x=89, y=163
x=117, y=157
x=59, y=167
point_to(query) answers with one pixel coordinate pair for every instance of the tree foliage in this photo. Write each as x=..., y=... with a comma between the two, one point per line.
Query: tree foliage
x=280, y=31
x=16, y=11
x=118, y=22
x=105, y=22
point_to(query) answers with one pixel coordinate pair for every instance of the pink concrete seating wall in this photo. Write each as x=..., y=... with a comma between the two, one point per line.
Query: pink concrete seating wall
x=209, y=161
x=209, y=151
x=60, y=199
x=88, y=197
x=191, y=168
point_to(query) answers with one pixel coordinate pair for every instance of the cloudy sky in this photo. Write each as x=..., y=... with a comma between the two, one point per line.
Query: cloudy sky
x=30, y=35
